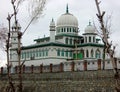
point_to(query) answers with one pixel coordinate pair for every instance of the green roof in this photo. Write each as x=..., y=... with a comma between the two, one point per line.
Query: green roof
x=61, y=45
x=57, y=36
x=47, y=44
x=91, y=44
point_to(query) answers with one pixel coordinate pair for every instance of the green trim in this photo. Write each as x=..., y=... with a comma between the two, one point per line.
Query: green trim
x=57, y=36
x=45, y=38
x=48, y=44
x=91, y=44
x=89, y=33
x=69, y=35
x=45, y=58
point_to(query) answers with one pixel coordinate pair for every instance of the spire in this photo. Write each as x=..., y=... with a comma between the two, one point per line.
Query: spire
x=52, y=20
x=89, y=23
x=67, y=11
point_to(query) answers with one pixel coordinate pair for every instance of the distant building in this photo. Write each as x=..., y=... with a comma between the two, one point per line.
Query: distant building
x=63, y=45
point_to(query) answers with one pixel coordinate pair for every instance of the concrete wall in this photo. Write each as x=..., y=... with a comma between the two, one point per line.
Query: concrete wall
x=87, y=81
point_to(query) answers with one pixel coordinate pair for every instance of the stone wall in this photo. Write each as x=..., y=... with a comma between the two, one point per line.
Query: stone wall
x=84, y=81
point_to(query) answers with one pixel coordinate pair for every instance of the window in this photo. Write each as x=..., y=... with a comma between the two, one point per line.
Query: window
x=70, y=41
x=62, y=54
x=70, y=29
x=64, y=30
x=93, y=39
x=98, y=53
x=70, y=54
x=36, y=53
x=67, y=29
x=66, y=53
x=89, y=39
x=58, y=52
x=87, y=53
x=92, y=53
x=39, y=53
x=66, y=40
x=85, y=39
x=46, y=52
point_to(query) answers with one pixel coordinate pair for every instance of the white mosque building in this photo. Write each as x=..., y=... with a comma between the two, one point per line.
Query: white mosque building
x=63, y=45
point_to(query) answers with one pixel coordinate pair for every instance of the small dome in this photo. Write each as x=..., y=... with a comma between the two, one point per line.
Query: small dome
x=67, y=19
x=90, y=28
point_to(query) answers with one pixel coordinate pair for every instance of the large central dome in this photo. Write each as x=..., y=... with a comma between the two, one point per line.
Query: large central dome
x=67, y=19
x=67, y=23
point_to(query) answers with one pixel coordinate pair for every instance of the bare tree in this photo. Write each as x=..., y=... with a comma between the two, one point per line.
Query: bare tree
x=35, y=10
x=109, y=49
x=3, y=36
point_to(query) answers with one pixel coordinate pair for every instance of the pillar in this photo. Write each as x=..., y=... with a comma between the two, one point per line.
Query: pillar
x=85, y=65
x=32, y=67
x=23, y=68
x=99, y=64
x=72, y=66
x=1, y=70
x=16, y=69
x=41, y=68
x=61, y=67
x=51, y=67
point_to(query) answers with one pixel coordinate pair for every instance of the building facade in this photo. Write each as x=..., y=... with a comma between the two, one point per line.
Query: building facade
x=64, y=45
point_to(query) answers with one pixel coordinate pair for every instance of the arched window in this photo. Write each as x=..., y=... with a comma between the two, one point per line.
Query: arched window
x=62, y=54
x=89, y=39
x=70, y=41
x=93, y=39
x=36, y=53
x=46, y=52
x=66, y=53
x=92, y=53
x=39, y=53
x=70, y=54
x=67, y=29
x=87, y=53
x=43, y=52
x=64, y=30
x=70, y=29
x=85, y=39
x=98, y=53
x=58, y=52
x=66, y=40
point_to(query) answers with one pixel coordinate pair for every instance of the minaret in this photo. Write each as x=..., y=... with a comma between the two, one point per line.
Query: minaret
x=52, y=31
x=14, y=44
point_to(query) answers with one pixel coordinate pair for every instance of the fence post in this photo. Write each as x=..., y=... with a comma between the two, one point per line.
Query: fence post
x=32, y=67
x=41, y=68
x=99, y=64
x=51, y=67
x=85, y=65
x=16, y=69
x=1, y=70
x=23, y=68
x=72, y=66
x=61, y=67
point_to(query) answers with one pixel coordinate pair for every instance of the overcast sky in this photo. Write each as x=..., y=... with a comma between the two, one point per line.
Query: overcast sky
x=84, y=10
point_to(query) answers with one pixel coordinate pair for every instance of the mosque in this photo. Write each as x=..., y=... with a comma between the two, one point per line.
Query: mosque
x=64, y=45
